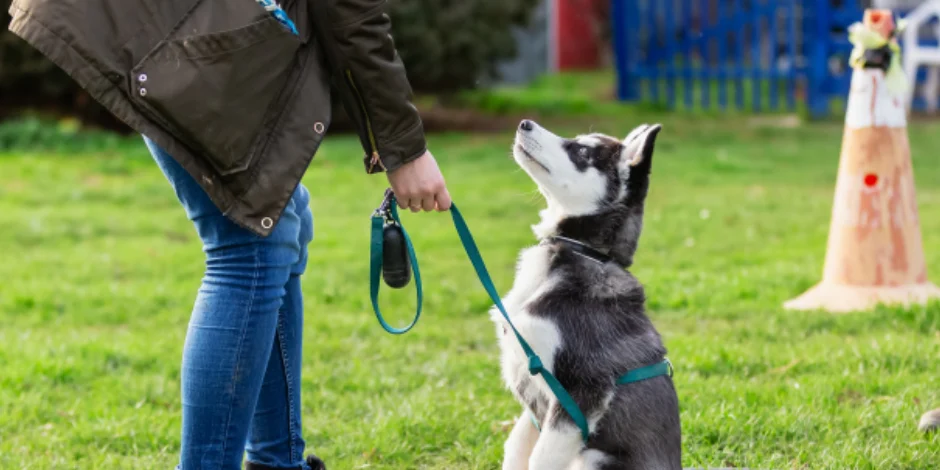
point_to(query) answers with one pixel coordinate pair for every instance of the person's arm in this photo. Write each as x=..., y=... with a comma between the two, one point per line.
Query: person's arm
x=370, y=79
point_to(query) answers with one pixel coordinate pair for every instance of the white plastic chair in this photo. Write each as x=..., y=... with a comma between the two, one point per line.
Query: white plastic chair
x=914, y=55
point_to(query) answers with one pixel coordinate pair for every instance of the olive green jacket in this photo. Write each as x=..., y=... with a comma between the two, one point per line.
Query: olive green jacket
x=238, y=99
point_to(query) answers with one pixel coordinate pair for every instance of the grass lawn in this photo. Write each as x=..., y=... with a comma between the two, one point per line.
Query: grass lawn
x=100, y=268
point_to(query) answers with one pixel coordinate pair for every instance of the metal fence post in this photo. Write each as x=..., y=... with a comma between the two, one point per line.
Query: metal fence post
x=625, y=51
x=819, y=63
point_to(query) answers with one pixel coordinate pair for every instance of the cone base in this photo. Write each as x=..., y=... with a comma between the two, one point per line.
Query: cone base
x=840, y=298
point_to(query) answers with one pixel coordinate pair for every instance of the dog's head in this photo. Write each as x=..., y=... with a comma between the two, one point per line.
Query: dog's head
x=595, y=184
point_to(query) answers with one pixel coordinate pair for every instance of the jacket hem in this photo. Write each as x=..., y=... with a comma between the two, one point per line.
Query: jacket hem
x=241, y=207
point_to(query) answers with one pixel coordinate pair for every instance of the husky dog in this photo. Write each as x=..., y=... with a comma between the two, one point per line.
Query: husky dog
x=583, y=312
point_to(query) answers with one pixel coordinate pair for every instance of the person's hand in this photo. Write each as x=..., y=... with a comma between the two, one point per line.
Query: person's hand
x=419, y=185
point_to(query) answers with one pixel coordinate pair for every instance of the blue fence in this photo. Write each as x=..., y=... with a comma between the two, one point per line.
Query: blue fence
x=760, y=55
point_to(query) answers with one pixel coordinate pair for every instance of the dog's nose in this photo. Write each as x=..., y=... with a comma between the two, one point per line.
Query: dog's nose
x=526, y=125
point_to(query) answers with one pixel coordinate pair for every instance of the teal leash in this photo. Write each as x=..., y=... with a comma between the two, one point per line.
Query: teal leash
x=648, y=372
x=387, y=213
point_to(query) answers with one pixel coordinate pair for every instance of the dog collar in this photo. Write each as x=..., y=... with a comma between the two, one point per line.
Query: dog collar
x=581, y=249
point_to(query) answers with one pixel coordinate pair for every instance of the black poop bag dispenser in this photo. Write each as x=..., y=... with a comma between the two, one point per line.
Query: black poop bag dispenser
x=396, y=265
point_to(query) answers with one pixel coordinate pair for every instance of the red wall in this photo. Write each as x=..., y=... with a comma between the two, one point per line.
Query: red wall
x=574, y=42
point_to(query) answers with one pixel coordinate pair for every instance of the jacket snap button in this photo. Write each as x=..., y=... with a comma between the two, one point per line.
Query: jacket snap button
x=318, y=127
x=143, y=92
x=267, y=223
x=142, y=77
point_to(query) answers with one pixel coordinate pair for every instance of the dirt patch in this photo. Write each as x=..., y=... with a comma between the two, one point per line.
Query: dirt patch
x=442, y=119
x=919, y=116
x=436, y=119
x=465, y=120
x=788, y=121
x=850, y=396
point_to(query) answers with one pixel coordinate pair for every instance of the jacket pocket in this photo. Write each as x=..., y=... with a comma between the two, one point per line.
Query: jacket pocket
x=215, y=91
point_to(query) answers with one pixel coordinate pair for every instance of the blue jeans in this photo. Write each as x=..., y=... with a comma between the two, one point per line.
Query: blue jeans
x=241, y=361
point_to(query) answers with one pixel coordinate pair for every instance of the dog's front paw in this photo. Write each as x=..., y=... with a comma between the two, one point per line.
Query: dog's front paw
x=516, y=456
x=513, y=464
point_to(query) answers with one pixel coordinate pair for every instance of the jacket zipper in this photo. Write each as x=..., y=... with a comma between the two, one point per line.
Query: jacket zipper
x=365, y=114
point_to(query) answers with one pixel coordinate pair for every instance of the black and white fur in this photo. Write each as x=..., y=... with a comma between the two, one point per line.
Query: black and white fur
x=585, y=318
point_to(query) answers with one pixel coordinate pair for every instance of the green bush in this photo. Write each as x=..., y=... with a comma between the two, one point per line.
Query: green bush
x=449, y=45
x=22, y=68
x=38, y=134
x=446, y=45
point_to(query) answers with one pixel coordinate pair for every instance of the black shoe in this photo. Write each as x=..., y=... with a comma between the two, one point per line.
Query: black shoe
x=258, y=466
x=312, y=460
x=315, y=463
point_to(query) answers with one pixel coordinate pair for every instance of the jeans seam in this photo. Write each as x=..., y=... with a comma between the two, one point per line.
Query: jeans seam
x=282, y=349
x=241, y=344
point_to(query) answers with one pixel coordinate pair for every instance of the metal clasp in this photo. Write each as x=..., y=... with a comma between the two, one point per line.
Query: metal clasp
x=385, y=209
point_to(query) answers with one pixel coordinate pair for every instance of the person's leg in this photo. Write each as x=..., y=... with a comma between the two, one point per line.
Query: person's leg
x=232, y=330
x=275, y=439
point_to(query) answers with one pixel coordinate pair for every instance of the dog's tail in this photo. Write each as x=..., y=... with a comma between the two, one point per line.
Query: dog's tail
x=930, y=421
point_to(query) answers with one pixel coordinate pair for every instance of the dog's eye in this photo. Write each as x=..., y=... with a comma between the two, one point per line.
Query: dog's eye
x=582, y=152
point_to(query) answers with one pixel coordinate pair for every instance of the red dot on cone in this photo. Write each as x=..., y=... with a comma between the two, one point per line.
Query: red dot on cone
x=871, y=179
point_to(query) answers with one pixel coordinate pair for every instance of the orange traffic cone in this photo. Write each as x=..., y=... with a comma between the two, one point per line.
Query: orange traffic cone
x=875, y=253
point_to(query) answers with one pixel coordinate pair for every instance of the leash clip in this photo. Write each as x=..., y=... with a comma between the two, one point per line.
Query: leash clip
x=385, y=209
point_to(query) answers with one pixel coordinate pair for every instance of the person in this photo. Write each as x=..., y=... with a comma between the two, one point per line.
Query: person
x=233, y=106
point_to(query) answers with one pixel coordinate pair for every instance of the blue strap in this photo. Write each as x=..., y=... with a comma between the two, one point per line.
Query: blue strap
x=279, y=14
x=388, y=213
x=535, y=422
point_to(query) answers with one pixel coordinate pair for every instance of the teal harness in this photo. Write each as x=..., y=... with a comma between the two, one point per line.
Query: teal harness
x=387, y=214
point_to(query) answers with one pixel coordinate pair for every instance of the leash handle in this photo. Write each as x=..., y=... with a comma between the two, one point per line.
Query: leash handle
x=388, y=212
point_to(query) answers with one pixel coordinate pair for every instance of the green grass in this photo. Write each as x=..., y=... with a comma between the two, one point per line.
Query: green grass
x=587, y=93
x=593, y=93
x=100, y=268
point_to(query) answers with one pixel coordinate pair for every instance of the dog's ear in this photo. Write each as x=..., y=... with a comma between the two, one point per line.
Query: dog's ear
x=639, y=144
